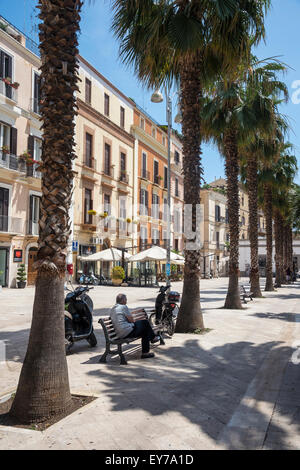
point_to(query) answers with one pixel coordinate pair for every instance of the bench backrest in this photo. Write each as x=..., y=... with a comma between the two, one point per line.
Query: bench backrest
x=108, y=327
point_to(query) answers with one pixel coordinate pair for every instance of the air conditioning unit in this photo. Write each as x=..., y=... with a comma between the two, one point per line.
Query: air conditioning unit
x=96, y=241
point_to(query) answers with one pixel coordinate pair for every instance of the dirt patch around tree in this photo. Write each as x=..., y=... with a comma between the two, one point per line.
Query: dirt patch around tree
x=78, y=402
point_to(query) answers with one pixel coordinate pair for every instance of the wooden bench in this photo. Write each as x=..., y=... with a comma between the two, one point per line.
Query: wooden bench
x=245, y=295
x=112, y=339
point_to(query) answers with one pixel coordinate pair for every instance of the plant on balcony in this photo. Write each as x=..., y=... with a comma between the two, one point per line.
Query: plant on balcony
x=104, y=215
x=5, y=149
x=118, y=275
x=15, y=85
x=128, y=221
x=27, y=158
x=21, y=276
x=7, y=80
x=92, y=212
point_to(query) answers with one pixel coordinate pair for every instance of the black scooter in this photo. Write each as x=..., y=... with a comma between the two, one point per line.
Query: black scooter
x=79, y=318
x=166, y=310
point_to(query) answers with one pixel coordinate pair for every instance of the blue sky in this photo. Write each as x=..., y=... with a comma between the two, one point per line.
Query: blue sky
x=99, y=47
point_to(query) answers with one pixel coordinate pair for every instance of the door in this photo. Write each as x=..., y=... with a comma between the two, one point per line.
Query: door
x=3, y=266
x=32, y=274
x=4, y=196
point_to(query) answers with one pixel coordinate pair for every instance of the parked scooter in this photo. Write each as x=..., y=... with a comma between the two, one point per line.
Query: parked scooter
x=166, y=310
x=79, y=318
x=87, y=280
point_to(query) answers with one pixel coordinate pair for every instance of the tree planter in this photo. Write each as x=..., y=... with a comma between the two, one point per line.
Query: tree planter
x=117, y=282
x=21, y=285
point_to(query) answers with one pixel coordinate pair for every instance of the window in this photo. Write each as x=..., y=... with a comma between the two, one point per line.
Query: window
x=106, y=105
x=155, y=236
x=123, y=176
x=142, y=123
x=4, y=135
x=177, y=157
x=144, y=165
x=88, y=205
x=166, y=210
x=177, y=220
x=88, y=160
x=122, y=117
x=36, y=93
x=6, y=69
x=217, y=213
x=144, y=204
x=243, y=220
x=218, y=239
x=123, y=215
x=176, y=187
x=35, y=150
x=155, y=172
x=144, y=238
x=4, y=202
x=226, y=216
x=34, y=215
x=166, y=177
x=153, y=132
x=88, y=91
x=155, y=206
x=107, y=165
x=164, y=140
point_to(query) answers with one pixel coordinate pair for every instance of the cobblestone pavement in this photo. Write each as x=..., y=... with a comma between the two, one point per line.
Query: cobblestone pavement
x=235, y=387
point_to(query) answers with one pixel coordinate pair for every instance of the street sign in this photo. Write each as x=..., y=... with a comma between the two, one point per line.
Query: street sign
x=168, y=269
x=75, y=246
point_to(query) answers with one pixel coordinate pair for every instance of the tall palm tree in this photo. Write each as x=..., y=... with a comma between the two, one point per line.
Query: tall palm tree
x=263, y=90
x=43, y=388
x=284, y=171
x=187, y=41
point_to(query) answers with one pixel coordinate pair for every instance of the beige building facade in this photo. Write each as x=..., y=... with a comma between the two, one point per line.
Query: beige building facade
x=20, y=147
x=103, y=207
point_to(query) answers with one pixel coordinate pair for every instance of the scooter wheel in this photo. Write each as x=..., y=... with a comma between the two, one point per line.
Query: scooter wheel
x=92, y=340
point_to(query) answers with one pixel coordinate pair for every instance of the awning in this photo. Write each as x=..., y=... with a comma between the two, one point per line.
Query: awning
x=156, y=253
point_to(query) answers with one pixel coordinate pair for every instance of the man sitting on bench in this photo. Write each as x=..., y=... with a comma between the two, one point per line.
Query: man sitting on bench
x=125, y=326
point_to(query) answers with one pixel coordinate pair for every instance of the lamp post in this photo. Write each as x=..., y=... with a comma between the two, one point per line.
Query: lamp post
x=157, y=97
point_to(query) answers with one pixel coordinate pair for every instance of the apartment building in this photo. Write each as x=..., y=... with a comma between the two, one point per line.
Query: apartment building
x=214, y=233
x=20, y=148
x=151, y=165
x=104, y=181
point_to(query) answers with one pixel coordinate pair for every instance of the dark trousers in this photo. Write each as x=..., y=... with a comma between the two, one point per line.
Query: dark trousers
x=143, y=328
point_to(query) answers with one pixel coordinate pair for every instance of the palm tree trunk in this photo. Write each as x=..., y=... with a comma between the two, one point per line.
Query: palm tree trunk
x=190, y=315
x=233, y=299
x=281, y=259
x=43, y=389
x=269, y=235
x=277, y=249
x=252, y=169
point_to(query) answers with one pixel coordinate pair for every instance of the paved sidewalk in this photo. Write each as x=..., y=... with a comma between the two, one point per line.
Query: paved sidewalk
x=235, y=387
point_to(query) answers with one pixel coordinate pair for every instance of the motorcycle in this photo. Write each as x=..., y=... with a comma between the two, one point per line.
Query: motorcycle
x=166, y=310
x=90, y=279
x=79, y=318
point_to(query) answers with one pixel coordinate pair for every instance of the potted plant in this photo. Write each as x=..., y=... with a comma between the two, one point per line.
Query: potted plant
x=27, y=158
x=5, y=149
x=21, y=277
x=128, y=220
x=92, y=212
x=118, y=275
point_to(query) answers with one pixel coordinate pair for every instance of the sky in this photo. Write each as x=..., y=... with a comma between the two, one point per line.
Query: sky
x=99, y=47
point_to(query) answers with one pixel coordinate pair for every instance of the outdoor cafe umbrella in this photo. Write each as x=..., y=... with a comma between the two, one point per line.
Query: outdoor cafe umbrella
x=155, y=253
x=111, y=254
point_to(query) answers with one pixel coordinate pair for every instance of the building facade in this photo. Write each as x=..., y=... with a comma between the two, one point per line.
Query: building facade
x=103, y=211
x=20, y=147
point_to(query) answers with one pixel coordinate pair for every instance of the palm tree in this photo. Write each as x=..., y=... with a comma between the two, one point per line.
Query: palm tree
x=284, y=171
x=187, y=41
x=263, y=90
x=43, y=389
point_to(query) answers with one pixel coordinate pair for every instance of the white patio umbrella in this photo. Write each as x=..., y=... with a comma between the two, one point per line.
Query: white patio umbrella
x=155, y=253
x=111, y=254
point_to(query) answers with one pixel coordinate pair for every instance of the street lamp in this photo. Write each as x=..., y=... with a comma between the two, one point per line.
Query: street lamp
x=157, y=97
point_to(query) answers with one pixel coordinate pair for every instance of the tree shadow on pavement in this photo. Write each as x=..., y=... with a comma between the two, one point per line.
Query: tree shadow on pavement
x=204, y=387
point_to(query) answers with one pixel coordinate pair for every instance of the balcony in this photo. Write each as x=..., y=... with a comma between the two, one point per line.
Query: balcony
x=31, y=170
x=35, y=106
x=124, y=177
x=157, y=180
x=8, y=89
x=221, y=220
x=109, y=171
x=145, y=174
x=11, y=225
x=89, y=161
x=11, y=162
